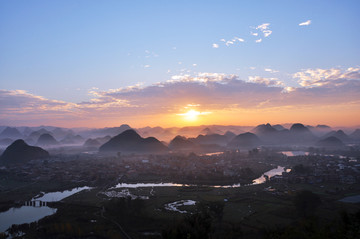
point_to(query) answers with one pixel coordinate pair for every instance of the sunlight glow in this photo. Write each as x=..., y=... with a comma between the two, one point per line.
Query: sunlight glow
x=193, y=115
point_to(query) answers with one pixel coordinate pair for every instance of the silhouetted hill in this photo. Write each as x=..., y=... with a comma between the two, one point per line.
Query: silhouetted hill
x=11, y=133
x=46, y=140
x=103, y=140
x=278, y=127
x=338, y=134
x=245, y=140
x=331, y=141
x=93, y=143
x=181, y=143
x=299, y=134
x=36, y=134
x=20, y=152
x=211, y=139
x=131, y=142
x=229, y=135
x=264, y=129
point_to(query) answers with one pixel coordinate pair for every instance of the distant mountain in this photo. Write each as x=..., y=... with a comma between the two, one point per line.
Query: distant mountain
x=229, y=135
x=11, y=133
x=245, y=141
x=72, y=139
x=324, y=127
x=356, y=134
x=36, y=134
x=131, y=142
x=46, y=140
x=103, y=140
x=6, y=141
x=264, y=129
x=27, y=131
x=92, y=143
x=206, y=131
x=338, y=134
x=60, y=133
x=218, y=139
x=278, y=127
x=106, y=131
x=331, y=141
x=20, y=152
x=181, y=143
x=299, y=134
x=321, y=130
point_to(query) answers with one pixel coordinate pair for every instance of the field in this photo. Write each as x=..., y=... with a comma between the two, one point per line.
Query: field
x=245, y=212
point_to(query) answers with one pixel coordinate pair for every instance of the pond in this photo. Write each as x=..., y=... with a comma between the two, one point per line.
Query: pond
x=28, y=214
x=24, y=214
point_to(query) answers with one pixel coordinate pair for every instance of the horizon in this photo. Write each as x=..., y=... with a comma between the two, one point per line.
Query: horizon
x=90, y=64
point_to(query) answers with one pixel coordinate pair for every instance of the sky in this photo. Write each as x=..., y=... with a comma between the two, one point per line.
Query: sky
x=177, y=63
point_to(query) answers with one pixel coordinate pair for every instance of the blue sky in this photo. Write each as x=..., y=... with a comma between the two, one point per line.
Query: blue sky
x=61, y=50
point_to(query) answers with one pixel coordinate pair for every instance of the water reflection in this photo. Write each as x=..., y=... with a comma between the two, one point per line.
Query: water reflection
x=35, y=209
x=276, y=171
x=57, y=196
x=24, y=214
x=295, y=153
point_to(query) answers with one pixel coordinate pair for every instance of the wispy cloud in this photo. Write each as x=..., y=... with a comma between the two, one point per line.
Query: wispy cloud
x=264, y=28
x=214, y=45
x=270, y=70
x=307, y=23
x=258, y=40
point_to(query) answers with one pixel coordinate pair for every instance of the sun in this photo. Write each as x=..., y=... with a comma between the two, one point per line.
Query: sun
x=191, y=115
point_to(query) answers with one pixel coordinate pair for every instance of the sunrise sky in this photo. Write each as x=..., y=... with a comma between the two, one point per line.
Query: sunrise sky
x=176, y=63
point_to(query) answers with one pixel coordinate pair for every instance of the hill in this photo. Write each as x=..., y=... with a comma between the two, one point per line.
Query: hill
x=131, y=142
x=20, y=152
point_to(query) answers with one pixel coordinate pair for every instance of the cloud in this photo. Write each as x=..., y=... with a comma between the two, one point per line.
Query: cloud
x=264, y=28
x=254, y=33
x=266, y=81
x=270, y=70
x=147, y=66
x=323, y=77
x=228, y=43
x=210, y=91
x=307, y=23
x=239, y=39
x=258, y=41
